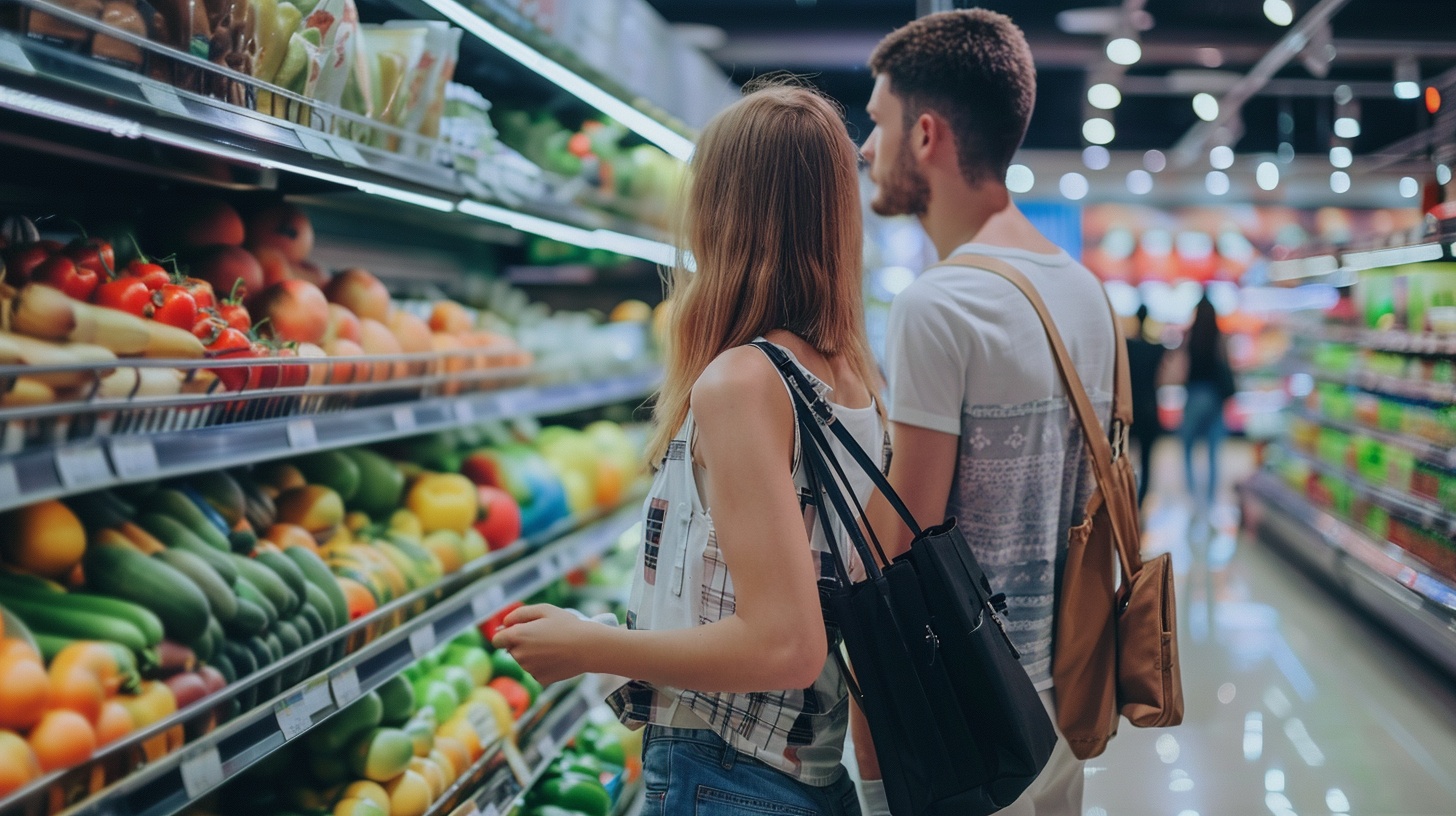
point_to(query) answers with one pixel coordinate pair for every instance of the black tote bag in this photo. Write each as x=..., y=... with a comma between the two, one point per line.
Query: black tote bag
x=957, y=724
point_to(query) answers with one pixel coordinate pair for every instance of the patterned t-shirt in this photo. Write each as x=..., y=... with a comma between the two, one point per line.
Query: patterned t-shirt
x=966, y=355
x=682, y=581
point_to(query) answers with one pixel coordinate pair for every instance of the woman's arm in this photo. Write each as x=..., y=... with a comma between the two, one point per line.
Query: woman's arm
x=774, y=639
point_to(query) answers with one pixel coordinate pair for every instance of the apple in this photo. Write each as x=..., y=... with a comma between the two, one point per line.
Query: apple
x=282, y=226
x=500, y=517
x=227, y=266
x=413, y=335
x=376, y=338
x=296, y=310
x=274, y=263
x=211, y=222
x=361, y=292
x=450, y=317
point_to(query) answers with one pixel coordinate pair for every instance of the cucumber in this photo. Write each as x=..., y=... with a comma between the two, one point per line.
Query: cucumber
x=49, y=619
x=315, y=599
x=268, y=583
x=292, y=642
x=207, y=510
x=244, y=664
x=220, y=597
x=12, y=582
x=142, y=617
x=250, y=620
x=274, y=645
x=175, y=534
x=206, y=644
x=248, y=592
x=272, y=684
x=286, y=570
x=224, y=666
x=317, y=573
x=243, y=541
x=124, y=573
x=314, y=620
x=175, y=504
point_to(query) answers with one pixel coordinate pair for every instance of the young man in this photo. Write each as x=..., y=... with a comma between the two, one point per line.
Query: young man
x=981, y=427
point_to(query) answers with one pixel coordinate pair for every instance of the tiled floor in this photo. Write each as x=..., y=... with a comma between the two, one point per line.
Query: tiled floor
x=1295, y=703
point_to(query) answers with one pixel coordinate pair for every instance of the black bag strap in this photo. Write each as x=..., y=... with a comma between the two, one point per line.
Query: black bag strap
x=822, y=415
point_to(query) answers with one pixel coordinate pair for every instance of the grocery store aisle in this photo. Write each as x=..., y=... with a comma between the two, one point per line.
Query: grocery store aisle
x=1296, y=704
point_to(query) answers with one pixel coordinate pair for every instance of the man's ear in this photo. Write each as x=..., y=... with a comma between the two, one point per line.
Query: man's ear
x=929, y=136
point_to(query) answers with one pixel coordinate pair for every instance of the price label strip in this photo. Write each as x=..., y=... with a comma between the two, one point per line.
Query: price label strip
x=404, y=419
x=315, y=143
x=302, y=434
x=164, y=98
x=422, y=640
x=201, y=772
x=345, y=685
x=13, y=55
x=349, y=153
x=488, y=601
x=9, y=483
x=484, y=724
x=82, y=466
x=133, y=457
x=293, y=716
x=517, y=763
x=464, y=412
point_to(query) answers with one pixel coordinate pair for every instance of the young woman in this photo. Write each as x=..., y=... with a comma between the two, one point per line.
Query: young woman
x=1210, y=383
x=725, y=637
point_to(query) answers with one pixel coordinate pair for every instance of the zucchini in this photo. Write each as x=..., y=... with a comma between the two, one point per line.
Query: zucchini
x=49, y=619
x=208, y=512
x=12, y=582
x=175, y=534
x=206, y=643
x=315, y=599
x=244, y=664
x=316, y=572
x=224, y=666
x=311, y=618
x=274, y=644
x=220, y=597
x=144, y=619
x=272, y=684
x=250, y=620
x=248, y=592
x=289, y=637
x=124, y=573
x=176, y=505
x=268, y=583
x=286, y=570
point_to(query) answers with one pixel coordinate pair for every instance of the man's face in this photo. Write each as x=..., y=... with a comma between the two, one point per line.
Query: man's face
x=902, y=188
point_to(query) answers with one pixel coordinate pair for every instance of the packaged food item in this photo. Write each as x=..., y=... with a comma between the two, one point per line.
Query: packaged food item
x=53, y=30
x=393, y=58
x=183, y=25
x=123, y=15
x=466, y=129
x=424, y=93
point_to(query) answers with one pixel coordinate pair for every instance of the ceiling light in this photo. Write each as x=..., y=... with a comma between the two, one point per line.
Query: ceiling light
x=1206, y=106
x=1019, y=178
x=1073, y=186
x=1139, y=182
x=1096, y=157
x=1443, y=174
x=1124, y=51
x=1347, y=127
x=1279, y=12
x=1344, y=94
x=674, y=143
x=1155, y=161
x=1407, y=78
x=1409, y=187
x=1209, y=57
x=1217, y=182
x=1267, y=175
x=1285, y=152
x=1221, y=157
x=1340, y=181
x=619, y=242
x=1407, y=90
x=1104, y=96
x=1340, y=156
x=1098, y=131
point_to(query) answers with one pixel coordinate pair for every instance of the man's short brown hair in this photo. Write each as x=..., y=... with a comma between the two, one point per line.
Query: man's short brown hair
x=972, y=67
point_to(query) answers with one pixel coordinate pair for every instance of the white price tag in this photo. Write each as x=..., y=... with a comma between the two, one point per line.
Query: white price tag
x=345, y=685
x=133, y=457
x=201, y=772
x=9, y=483
x=517, y=763
x=484, y=724
x=315, y=143
x=302, y=434
x=349, y=153
x=488, y=601
x=316, y=696
x=82, y=466
x=13, y=55
x=404, y=419
x=490, y=810
x=546, y=748
x=464, y=412
x=293, y=715
x=163, y=98
x=422, y=640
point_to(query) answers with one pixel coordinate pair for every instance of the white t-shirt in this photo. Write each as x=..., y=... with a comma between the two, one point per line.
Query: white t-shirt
x=966, y=355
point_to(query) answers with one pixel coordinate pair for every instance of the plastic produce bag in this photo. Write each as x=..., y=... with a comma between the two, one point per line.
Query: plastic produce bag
x=423, y=101
x=393, y=58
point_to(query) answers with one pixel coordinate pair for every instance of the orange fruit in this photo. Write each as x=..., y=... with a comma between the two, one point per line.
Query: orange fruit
x=45, y=539
x=24, y=687
x=61, y=739
x=78, y=690
x=114, y=723
x=18, y=764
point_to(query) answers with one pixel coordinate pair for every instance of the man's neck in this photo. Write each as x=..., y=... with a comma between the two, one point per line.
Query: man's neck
x=960, y=214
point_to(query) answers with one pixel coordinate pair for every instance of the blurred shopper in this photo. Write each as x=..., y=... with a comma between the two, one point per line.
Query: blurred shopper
x=725, y=638
x=1209, y=384
x=1144, y=360
x=981, y=425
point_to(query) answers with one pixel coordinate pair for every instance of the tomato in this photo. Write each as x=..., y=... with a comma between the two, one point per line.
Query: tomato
x=236, y=315
x=93, y=254
x=201, y=292
x=154, y=276
x=267, y=374
x=292, y=376
x=497, y=622
x=62, y=273
x=175, y=306
x=208, y=328
x=127, y=294
x=230, y=344
x=21, y=261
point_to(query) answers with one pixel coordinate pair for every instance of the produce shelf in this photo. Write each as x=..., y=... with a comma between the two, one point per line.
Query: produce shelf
x=1401, y=387
x=1431, y=454
x=109, y=460
x=1426, y=514
x=1391, y=340
x=116, y=117
x=170, y=783
x=1378, y=576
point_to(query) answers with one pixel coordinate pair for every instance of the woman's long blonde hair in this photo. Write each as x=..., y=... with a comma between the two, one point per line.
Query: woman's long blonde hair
x=774, y=225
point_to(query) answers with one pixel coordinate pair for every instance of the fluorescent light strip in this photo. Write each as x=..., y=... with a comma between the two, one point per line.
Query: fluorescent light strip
x=419, y=199
x=619, y=242
x=69, y=114
x=645, y=126
x=1395, y=256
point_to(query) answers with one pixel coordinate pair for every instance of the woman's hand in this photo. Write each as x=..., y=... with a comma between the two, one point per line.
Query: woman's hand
x=547, y=641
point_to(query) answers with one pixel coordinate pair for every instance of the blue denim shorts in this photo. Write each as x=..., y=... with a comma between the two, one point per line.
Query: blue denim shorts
x=693, y=772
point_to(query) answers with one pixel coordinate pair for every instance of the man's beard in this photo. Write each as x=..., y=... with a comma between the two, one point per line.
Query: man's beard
x=905, y=191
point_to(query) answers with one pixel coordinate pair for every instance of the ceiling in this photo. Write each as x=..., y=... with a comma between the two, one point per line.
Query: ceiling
x=1190, y=45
